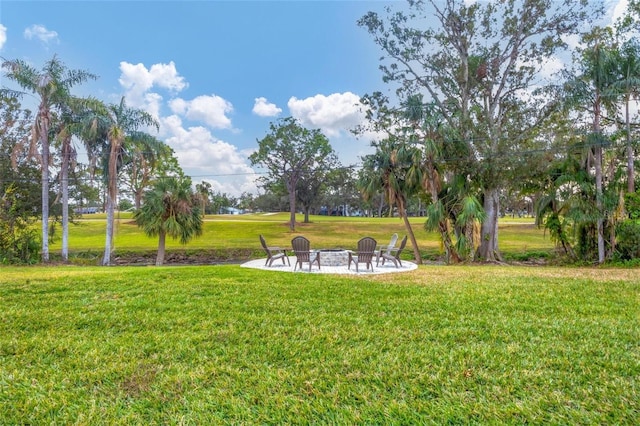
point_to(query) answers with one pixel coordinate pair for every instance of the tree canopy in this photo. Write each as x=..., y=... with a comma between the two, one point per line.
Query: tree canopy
x=289, y=153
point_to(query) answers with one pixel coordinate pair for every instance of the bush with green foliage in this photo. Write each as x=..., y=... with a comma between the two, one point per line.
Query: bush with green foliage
x=628, y=240
x=632, y=205
x=19, y=241
x=125, y=205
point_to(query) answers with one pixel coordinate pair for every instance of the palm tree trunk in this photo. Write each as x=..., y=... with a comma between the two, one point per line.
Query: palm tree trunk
x=108, y=245
x=599, y=206
x=452, y=254
x=162, y=236
x=44, y=131
x=631, y=185
x=450, y=250
x=598, y=168
x=112, y=191
x=64, y=178
x=412, y=237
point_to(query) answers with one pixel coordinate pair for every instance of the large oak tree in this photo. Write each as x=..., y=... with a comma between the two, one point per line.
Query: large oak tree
x=289, y=152
x=478, y=63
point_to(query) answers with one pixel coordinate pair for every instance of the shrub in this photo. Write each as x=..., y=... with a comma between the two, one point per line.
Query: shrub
x=632, y=205
x=628, y=240
x=19, y=242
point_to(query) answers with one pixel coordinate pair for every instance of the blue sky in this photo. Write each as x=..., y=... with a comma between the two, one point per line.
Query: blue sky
x=215, y=73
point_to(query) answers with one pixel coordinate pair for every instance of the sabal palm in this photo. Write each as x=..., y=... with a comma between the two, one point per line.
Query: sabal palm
x=52, y=87
x=554, y=208
x=423, y=132
x=394, y=169
x=170, y=208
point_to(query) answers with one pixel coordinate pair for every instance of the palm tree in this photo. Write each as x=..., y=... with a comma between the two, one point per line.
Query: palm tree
x=423, y=131
x=592, y=90
x=628, y=86
x=170, y=208
x=118, y=125
x=51, y=85
x=394, y=169
x=70, y=123
x=554, y=208
x=204, y=190
x=599, y=72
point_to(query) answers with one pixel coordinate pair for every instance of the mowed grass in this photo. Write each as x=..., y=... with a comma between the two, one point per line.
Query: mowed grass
x=229, y=345
x=234, y=232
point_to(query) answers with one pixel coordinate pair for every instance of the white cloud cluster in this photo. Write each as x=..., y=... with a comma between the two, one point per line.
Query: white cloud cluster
x=137, y=81
x=264, y=108
x=209, y=158
x=618, y=9
x=41, y=33
x=199, y=153
x=3, y=35
x=334, y=114
x=211, y=110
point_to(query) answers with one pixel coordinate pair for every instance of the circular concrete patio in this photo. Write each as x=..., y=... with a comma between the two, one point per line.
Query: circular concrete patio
x=387, y=268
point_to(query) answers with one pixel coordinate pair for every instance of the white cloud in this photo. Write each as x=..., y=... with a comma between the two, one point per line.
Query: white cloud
x=41, y=33
x=548, y=68
x=208, y=158
x=211, y=110
x=333, y=114
x=199, y=153
x=137, y=81
x=3, y=35
x=263, y=108
x=618, y=9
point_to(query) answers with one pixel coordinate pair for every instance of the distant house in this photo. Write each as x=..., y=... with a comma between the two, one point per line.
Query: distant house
x=230, y=210
x=85, y=210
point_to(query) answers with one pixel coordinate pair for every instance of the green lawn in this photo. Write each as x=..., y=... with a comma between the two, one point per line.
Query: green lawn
x=229, y=345
x=240, y=233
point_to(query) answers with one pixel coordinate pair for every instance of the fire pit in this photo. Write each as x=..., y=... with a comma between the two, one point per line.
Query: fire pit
x=334, y=257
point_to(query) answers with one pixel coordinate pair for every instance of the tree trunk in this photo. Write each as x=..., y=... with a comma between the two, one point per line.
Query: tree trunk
x=631, y=185
x=445, y=236
x=488, y=250
x=112, y=191
x=137, y=200
x=452, y=254
x=64, y=181
x=108, y=245
x=292, y=209
x=306, y=215
x=44, y=131
x=599, y=205
x=161, y=248
x=412, y=237
x=598, y=167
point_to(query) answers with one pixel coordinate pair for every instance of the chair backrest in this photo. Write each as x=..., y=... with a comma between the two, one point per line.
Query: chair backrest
x=392, y=243
x=366, y=249
x=403, y=243
x=301, y=247
x=264, y=243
